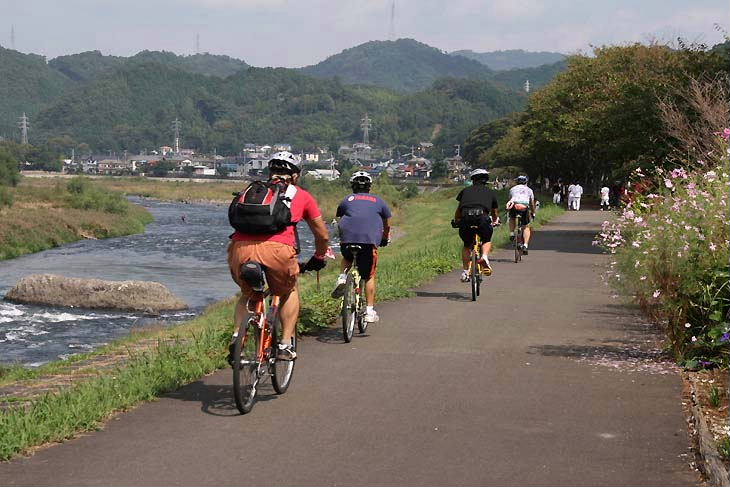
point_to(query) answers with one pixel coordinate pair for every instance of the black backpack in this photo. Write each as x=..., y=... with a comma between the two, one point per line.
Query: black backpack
x=262, y=208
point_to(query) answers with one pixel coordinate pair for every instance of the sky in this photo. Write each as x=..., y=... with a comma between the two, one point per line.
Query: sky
x=295, y=33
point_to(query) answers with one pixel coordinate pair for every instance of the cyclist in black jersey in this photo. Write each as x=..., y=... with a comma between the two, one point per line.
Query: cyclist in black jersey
x=476, y=203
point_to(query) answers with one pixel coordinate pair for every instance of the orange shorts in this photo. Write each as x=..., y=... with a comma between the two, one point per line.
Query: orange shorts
x=280, y=260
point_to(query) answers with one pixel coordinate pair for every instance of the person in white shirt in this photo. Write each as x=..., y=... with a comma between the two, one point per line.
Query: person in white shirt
x=570, y=196
x=574, y=193
x=522, y=202
x=605, y=192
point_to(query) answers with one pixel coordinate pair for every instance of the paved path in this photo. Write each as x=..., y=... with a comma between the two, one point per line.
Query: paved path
x=511, y=390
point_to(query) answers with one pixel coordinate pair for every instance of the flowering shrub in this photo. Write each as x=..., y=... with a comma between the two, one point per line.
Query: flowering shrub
x=670, y=250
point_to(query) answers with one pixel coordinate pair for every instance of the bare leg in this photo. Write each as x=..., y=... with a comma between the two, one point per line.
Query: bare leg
x=370, y=291
x=466, y=257
x=512, y=223
x=344, y=265
x=240, y=312
x=526, y=234
x=486, y=248
x=289, y=313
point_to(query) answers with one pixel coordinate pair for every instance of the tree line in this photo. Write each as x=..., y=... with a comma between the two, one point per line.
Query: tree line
x=602, y=118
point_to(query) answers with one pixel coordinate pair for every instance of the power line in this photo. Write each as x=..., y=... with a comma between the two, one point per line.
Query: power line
x=176, y=129
x=391, y=32
x=24, y=125
x=365, y=125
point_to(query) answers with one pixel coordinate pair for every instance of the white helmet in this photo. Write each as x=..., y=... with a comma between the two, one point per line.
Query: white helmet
x=361, y=177
x=522, y=179
x=287, y=160
x=479, y=173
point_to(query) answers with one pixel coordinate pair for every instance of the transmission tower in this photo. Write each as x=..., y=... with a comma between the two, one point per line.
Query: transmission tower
x=197, y=43
x=176, y=129
x=391, y=32
x=527, y=86
x=12, y=37
x=24, y=124
x=365, y=125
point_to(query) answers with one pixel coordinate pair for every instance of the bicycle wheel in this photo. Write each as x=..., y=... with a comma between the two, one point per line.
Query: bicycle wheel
x=362, y=325
x=474, y=277
x=348, y=314
x=246, y=367
x=283, y=370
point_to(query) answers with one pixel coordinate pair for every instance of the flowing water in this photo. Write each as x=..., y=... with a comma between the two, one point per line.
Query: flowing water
x=184, y=249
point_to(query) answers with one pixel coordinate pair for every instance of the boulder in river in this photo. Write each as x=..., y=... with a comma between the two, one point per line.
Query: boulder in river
x=53, y=290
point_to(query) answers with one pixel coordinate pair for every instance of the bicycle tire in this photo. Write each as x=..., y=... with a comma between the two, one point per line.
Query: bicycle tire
x=347, y=314
x=282, y=370
x=245, y=367
x=362, y=325
x=474, y=277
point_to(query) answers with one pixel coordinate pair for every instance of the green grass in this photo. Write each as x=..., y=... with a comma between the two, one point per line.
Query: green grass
x=45, y=214
x=428, y=247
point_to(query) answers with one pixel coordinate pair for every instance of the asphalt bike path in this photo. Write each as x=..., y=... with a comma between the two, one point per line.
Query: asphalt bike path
x=514, y=389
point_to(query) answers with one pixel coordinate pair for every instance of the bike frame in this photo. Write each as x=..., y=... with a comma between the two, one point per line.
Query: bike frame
x=261, y=313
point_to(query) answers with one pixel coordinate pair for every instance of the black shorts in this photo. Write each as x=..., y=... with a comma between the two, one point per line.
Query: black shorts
x=483, y=228
x=367, y=259
x=524, y=214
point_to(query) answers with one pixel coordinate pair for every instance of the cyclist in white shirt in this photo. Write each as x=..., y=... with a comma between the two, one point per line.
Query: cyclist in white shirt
x=522, y=202
x=605, y=192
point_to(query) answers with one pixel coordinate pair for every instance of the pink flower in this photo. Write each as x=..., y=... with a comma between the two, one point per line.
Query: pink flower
x=668, y=183
x=725, y=134
x=679, y=173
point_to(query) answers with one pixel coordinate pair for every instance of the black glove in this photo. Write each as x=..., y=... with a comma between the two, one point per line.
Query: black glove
x=454, y=224
x=314, y=264
x=384, y=242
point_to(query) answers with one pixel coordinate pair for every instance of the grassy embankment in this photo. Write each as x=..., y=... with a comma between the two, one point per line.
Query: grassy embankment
x=428, y=247
x=49, y=213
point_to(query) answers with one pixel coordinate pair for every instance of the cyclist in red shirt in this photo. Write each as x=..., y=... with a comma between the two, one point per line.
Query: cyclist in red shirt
x=278, y=252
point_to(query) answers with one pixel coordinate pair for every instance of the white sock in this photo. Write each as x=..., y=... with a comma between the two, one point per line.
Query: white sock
x=369, y=309
x=485, y=258
x=342, y=276
x=525, y=245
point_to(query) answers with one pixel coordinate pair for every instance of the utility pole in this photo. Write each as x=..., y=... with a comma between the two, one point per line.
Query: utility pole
x=391, y=32
x=24, y=124
x=365, y=125
x=176, y=129
x=458, y=150
x=12, y=37
x=527, y=86
x=197, y=43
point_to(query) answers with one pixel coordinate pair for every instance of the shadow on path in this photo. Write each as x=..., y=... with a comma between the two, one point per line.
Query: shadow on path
x=216, y=399
x=448, y=296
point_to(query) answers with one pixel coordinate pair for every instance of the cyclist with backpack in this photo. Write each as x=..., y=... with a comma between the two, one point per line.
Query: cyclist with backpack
x=364, y=221
x=265, y=216
x=476, y=202
x=522, y=203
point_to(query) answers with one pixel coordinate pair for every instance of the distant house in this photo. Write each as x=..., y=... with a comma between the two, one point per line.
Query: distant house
x=204, y=171
x=166, y=149
x=326, y=174
x=311, y=157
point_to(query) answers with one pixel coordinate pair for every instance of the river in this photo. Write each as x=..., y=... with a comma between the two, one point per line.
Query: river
x=189, y=257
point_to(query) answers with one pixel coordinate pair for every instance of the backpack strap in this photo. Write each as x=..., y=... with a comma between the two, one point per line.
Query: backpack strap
x=289, y=194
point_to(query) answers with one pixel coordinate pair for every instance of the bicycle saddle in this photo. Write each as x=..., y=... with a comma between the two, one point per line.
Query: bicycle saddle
x=254, y=273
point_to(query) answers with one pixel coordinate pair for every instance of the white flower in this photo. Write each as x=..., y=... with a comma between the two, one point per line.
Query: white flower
x=687, y=325
x=711, y=175
x=713, y=247
x=642, y=278
x=656, y=293
x=694, y=339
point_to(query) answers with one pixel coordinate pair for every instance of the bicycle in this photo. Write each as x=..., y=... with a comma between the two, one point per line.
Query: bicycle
x=257, y=341
x=475, y=266
x=352, y=308
x=519, y=240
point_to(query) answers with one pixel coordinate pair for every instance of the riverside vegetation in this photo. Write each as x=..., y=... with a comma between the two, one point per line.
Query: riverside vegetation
x=428, y=247
x=40, y=215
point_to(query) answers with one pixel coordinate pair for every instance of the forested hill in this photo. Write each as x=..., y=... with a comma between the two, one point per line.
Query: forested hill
x=26, y=84
x=512, y=59
x=132, y=109
x=404, y=65
x=87, y=66
x=539, y=76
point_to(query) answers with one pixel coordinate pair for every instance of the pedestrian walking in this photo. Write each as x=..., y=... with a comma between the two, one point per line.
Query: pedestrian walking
x=556, y=193
x=575, y=191
x=605, y=192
